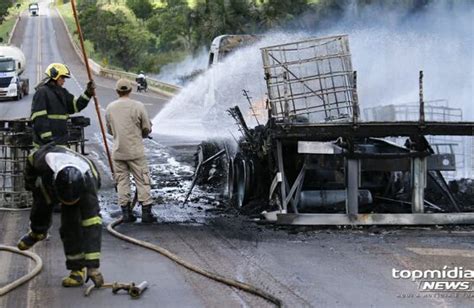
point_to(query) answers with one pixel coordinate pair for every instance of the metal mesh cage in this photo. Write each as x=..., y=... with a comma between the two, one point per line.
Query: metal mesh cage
x=15, y=145
x=310, y=81
x=435, y=110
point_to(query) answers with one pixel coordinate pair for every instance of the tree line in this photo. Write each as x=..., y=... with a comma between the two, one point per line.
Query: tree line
x=146, y=34
x=4, y=6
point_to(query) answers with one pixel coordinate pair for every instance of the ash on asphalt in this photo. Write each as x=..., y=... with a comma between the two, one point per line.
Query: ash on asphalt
x=171, y=171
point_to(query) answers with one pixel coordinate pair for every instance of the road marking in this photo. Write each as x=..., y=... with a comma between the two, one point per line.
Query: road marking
x=465, y=253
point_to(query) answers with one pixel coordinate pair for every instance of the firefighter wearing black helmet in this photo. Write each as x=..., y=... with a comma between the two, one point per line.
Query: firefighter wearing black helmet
x=52, y=104
x=56, y=174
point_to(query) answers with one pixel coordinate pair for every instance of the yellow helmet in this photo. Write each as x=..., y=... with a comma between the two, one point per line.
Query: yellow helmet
x=56, y=70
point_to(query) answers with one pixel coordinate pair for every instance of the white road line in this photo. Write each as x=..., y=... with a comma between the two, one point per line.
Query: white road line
x=77, y=82
x=465, y=253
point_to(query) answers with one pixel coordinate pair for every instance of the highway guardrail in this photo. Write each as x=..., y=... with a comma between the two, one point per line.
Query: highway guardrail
x=154, y=85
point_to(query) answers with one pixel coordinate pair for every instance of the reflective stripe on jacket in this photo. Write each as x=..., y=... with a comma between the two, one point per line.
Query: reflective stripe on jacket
x=37, y=166
x=50, y=111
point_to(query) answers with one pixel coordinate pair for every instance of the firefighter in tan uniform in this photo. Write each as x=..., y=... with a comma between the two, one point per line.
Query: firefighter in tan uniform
x=128, y=122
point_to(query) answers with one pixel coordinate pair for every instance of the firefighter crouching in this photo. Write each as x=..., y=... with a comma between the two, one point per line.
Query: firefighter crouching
x=56, y=174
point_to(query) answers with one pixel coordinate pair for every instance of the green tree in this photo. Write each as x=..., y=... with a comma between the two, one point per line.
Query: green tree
x=219, y=17
x=143, y=9
x=130, y=45
x=278, y=12
x=173, y=25
x=112, y=35
x=4, y=6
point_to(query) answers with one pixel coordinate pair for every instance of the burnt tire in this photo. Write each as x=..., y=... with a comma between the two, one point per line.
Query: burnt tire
x=242, y=181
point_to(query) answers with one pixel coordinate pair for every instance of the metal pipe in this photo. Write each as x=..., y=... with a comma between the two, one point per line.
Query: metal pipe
x=352, y=187
x=137, y=290
x=89, y=74
x=355, y=99
x=422, y=103
x=418, y=184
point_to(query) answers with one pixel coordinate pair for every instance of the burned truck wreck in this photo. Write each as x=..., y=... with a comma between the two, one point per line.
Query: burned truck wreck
x=315, y=161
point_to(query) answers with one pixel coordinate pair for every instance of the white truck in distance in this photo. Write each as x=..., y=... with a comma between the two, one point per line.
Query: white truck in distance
x=12, y=65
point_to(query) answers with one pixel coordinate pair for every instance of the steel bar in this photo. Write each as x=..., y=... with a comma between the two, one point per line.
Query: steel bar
x=326, y=40
x=322, y=92
x=422, y=103
x=312, y=59
x=332, y=131
x=352, y=187
x=377, y=219
x=418, y=175
x=281, y=170
x=291, y=73
x=355, y=106
x=296, y=186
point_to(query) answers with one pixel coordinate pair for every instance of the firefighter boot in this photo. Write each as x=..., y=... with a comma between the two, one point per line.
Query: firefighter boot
x=28, y=240
x=127, y=214
x=75, y=279
x=96, y=276
x=147, y=215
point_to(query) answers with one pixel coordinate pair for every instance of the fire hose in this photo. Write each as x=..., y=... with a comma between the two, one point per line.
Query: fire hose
x=39, y=265
x=234, y=283
x=216, y=277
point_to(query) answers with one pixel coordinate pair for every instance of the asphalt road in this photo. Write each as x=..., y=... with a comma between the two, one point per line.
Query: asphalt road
x=305, y=267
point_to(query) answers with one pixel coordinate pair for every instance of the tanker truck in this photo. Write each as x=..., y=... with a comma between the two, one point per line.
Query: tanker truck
x=12, y=65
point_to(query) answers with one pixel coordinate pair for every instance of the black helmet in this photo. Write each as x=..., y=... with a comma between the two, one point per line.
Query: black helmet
x=69, y=185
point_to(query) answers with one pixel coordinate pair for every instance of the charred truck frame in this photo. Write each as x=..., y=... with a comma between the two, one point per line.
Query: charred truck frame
x=317, y=163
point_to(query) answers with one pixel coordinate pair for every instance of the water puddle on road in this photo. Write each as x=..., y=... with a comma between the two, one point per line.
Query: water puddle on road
x=171, y=180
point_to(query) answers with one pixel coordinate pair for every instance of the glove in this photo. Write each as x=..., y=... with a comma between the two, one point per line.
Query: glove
x=30, y=183
x=90, y=89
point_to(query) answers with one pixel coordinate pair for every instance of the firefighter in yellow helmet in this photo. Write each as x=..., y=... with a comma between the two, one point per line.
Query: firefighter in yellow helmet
x=52, y=104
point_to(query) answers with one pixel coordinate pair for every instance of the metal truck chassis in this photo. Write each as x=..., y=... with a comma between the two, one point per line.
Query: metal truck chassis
x=419, y=163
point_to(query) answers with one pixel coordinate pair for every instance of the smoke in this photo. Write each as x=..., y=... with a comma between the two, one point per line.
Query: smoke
x=180, y=73
x=388, y=49
x=200, y=109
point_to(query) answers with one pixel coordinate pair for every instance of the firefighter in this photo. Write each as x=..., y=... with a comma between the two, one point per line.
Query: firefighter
x=52, y=104
x=56, y=174
x=128, y=123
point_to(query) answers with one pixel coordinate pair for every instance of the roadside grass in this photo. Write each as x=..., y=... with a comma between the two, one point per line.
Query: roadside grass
x=5, y=29
x=7, y=25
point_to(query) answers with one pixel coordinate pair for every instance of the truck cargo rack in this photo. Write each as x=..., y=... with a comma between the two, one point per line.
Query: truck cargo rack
x=315, y=128
x=16, y=143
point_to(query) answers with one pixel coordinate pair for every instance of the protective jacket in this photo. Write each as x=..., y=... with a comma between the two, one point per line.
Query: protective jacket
x=128, y=122
x=81, y=223
x=50, y=111
x=39, y=166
